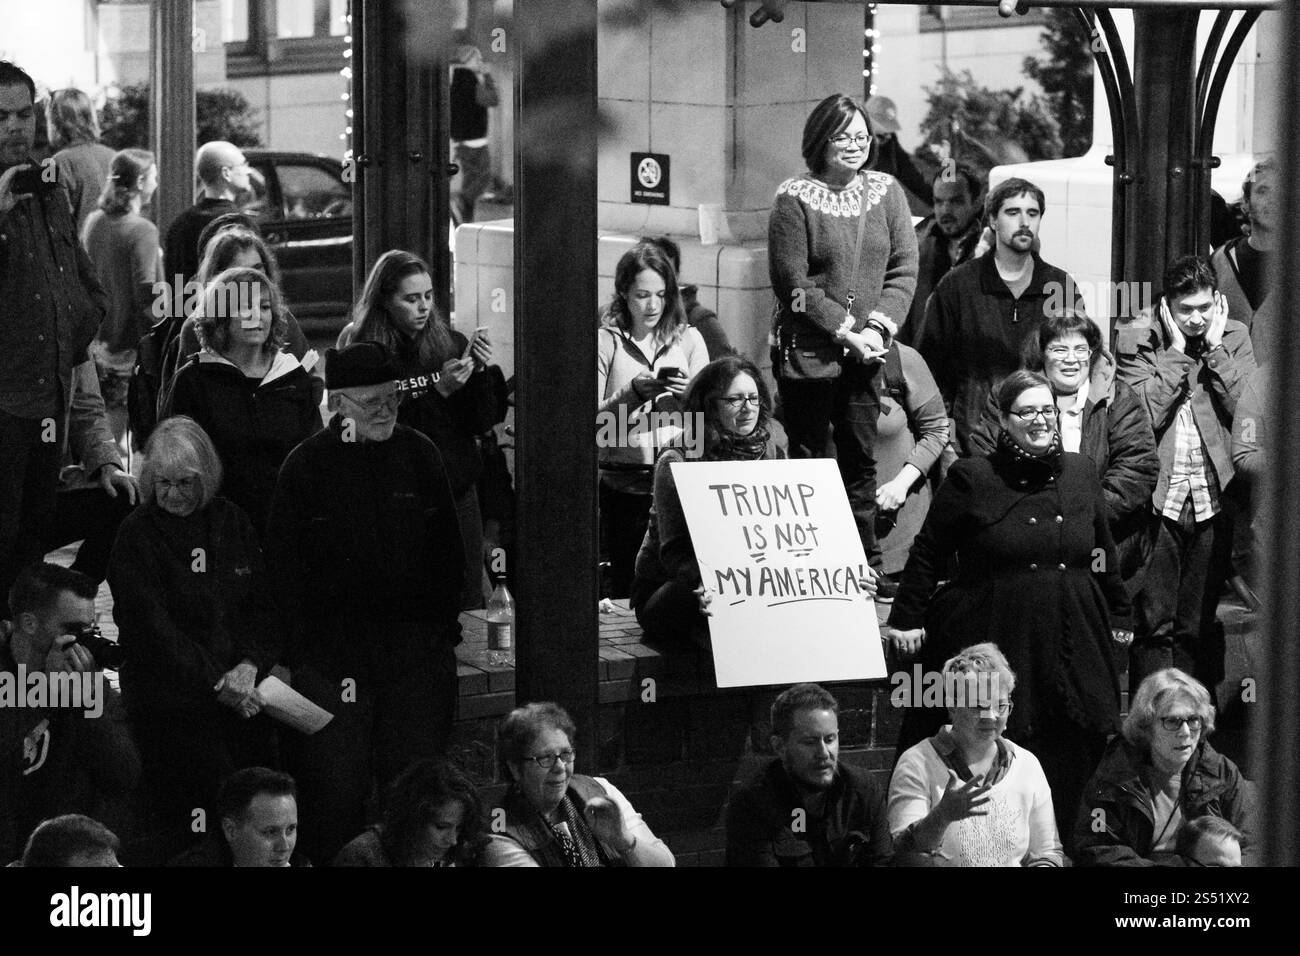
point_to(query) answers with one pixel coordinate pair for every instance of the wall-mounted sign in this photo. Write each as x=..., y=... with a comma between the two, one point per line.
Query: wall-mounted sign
x=650, y=178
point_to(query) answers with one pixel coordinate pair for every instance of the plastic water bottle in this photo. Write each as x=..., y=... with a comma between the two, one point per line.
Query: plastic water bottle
x=501, y=626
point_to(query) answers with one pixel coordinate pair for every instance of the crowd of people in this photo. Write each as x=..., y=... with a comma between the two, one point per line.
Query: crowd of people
x=1042, y=513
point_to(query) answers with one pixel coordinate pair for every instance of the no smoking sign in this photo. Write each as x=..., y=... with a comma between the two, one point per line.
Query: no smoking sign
x=650, y=178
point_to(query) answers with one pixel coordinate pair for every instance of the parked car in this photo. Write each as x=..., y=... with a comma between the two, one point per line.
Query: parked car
x=304, y=209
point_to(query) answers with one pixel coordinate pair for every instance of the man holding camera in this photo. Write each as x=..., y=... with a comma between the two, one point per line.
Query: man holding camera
x=59, y=755
x=51, y=305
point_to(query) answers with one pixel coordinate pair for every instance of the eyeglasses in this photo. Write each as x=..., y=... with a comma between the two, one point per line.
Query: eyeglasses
x=84, y=632
x=389, y=403
x=844, y=139
x=1027, y=415
x=547, y=761
x=1001, y=709
x=736, y=402
x=1174, y=724
x=184, y=485
x=1061, y=352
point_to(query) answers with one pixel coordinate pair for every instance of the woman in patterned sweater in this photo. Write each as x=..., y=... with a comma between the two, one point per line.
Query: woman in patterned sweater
x=840, y=300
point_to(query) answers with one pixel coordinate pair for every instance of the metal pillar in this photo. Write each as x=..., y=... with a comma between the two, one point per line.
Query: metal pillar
x=400, y=137
x=555, y=349
x=171, y=108
x=1274, y=752
x=1164, y=83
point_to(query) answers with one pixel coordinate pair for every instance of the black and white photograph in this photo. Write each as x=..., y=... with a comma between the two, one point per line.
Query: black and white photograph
x=935, y=511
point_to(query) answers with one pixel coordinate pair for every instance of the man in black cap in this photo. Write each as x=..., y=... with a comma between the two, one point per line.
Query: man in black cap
x=366, y=547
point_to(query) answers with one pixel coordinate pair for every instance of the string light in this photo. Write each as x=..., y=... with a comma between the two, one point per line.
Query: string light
x=871, y=49
x=346, y=95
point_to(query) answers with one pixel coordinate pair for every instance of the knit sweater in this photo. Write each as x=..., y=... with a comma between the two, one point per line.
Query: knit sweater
x=125, y=252
x=811, y=236
x=1019, y=828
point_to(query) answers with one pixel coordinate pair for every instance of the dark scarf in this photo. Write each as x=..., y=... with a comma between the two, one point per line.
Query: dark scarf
x=729, y=446
x=945, y=745
x=1036, y=469
x=579, y=844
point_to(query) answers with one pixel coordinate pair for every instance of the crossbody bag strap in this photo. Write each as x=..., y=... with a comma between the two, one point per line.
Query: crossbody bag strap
x=857, y=255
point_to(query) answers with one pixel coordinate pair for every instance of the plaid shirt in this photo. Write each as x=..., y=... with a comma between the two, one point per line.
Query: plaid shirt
x=1191, y=475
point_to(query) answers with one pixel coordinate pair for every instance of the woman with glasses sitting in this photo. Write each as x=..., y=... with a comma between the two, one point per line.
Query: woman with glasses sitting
x=730, y=399
x=252, y=397
x=1036, y=573
x=842, y=259
x=1159, y=776
x=555, y=817
x=1099, y=417
x=199, y=629
x=967, y=796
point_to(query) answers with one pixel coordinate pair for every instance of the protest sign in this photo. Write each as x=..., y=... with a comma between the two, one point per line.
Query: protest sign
x=776, y=543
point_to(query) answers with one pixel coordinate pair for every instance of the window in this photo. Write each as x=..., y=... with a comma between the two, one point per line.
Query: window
x=946, y=16
x=283, y=36
x=311, y=192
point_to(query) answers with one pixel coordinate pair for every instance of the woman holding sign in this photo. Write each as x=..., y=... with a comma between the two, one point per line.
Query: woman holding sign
x=842, y=257
x=731, y=400
x=1036, y=573
x=448, y=396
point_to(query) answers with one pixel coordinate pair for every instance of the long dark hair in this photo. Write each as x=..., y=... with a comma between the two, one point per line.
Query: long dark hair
x=642, y=256
x=415, y=797
x=698, y=403
x=433, y=343
x=828, y=119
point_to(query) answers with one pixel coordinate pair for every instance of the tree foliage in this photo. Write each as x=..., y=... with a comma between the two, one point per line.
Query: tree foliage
x=984, y=127
x=1066, y=77
x=219, y=114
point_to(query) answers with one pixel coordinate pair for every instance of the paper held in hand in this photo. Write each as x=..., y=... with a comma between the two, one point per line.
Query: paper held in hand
x=289, y=707
x=776, y=543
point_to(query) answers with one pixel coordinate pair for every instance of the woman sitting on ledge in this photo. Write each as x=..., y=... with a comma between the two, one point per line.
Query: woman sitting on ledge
x=732, y=402
x=967, y=796
x=555, y=817
x=1157, y=777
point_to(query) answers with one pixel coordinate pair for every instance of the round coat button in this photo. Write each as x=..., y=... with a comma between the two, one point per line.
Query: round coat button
x=1060, y=519
x=1033, y=521
x=1033, y=567
x=1060, y=567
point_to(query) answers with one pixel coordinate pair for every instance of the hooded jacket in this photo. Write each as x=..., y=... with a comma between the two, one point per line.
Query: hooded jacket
x=253, y=423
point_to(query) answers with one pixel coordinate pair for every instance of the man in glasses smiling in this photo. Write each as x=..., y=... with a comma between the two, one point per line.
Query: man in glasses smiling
x=365, y=542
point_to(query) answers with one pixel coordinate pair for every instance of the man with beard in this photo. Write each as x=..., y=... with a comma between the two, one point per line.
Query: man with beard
x=805, y=808
x=51, y=305
x=1242, y=264
x=946, y=239
x=978, y=318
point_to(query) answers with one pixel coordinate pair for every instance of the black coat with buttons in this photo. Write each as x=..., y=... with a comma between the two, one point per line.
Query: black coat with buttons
x=1035, y=573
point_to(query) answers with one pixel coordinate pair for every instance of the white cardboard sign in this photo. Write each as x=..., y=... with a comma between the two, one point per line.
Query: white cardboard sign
x=776, y=542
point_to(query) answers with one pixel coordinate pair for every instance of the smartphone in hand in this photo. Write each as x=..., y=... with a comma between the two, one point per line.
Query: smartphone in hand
x=667, y=372
x=479, y=333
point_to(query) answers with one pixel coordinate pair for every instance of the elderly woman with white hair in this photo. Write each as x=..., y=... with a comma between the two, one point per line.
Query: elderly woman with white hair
x=1157, y=777
x=198, y=627
x=967, y=796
